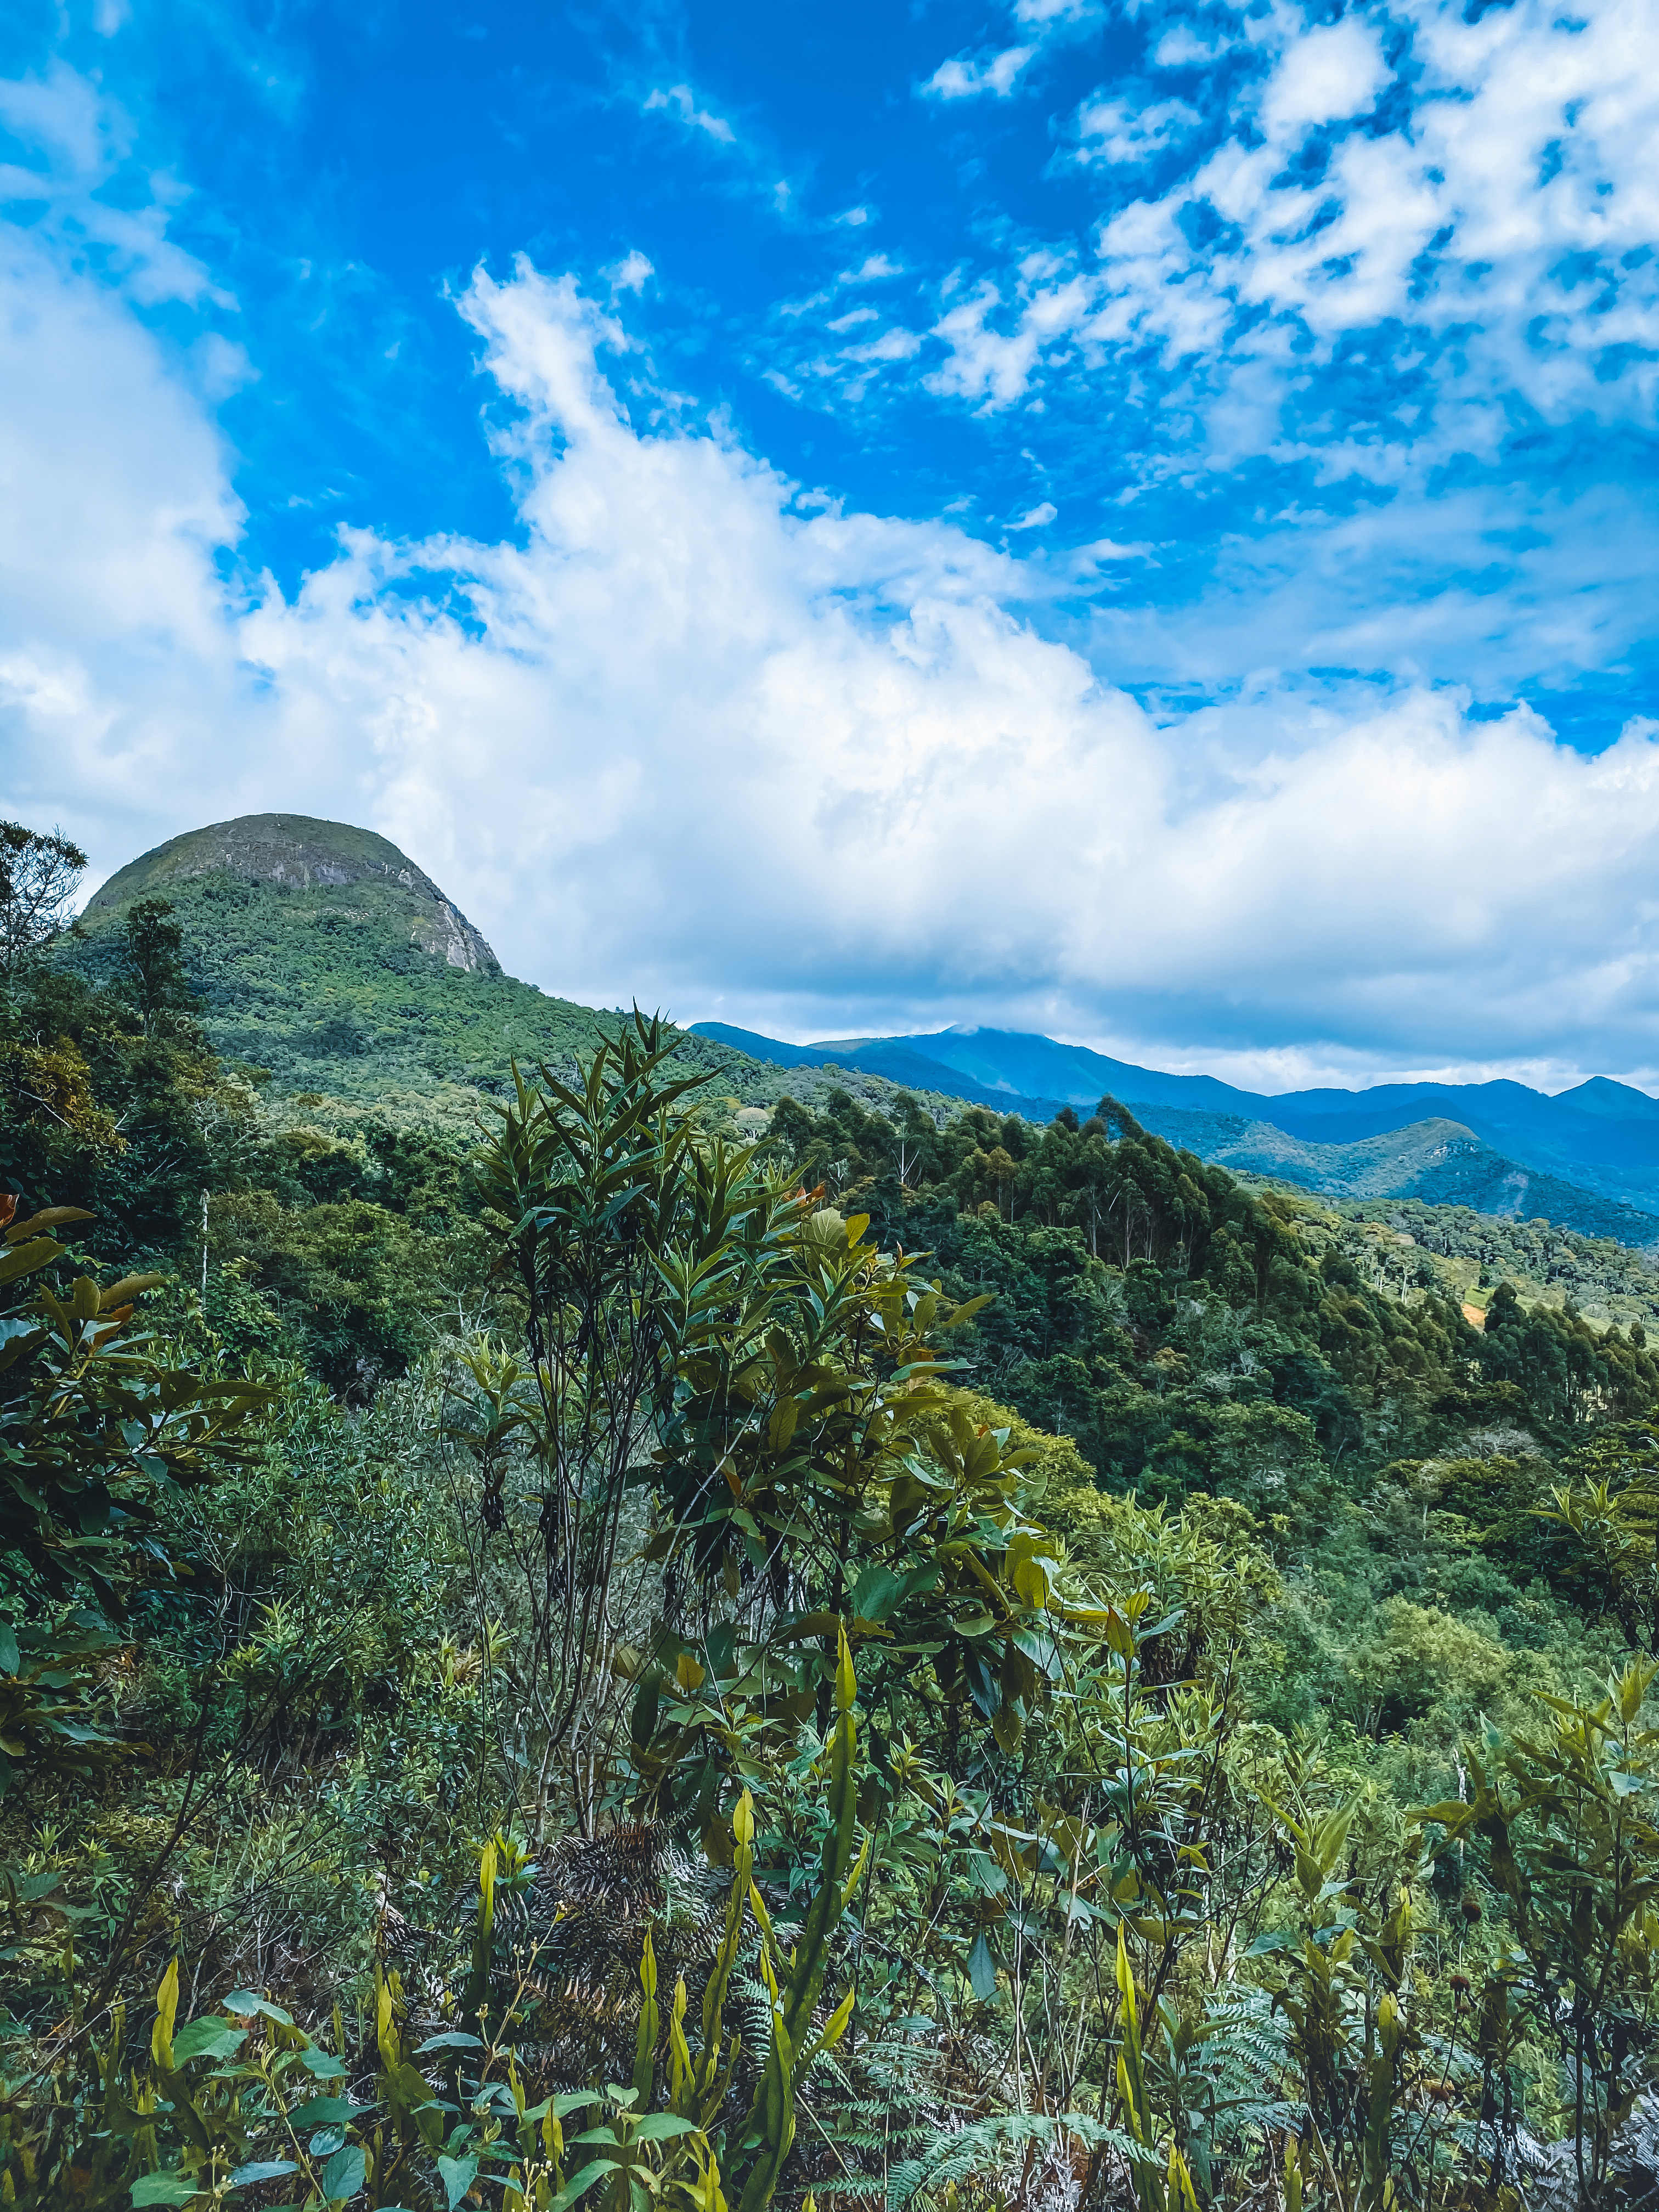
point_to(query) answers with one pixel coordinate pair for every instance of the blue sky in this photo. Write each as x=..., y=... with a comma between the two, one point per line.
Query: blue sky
x=1131, y=520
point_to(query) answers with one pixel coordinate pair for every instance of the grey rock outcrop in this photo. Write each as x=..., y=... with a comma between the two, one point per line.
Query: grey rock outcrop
x=297, y=851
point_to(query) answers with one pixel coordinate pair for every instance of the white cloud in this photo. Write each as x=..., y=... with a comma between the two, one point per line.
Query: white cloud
x=1510, y=202
x=631, y=274
x=1123, y=131
x=994, y=367
x=894, y=345
x=118, y=651
x=1049, y=16
x=968, y=77
x=61, y=114
x=1181, y=47
x=221, y=367
x=1046, y=23
x=81, y=137
x=1505, y=587
x=1035, y=518
x=1089, y=560
x=698, y=742
x=680, y=100
x=1327, y=74
x=1472, y=185
x=871, y=270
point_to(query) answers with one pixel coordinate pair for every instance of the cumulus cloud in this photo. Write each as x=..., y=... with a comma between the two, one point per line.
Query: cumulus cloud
x=115, y=499
x=692, y=736
x=894, y=345
x=1182, y=46
x=1489, y=192
x=1330, y=73
x=1039, y=24
x=992, y=364
x=1120, y=130
x=631, y=274
x=968, y=77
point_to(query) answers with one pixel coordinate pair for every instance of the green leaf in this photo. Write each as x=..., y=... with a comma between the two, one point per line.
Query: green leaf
x=164, y=2189
x=457, y=2175
x=451, y=2040
x=410, y=2088
x=983, y=1967
x=322, y=2064
x=343, y=2177
x=245, y=2003
x=31, y=1887
x=877, y=1591
x=207, y=2038
x=642, y=1720
x=319, y=2109
x=656, y=2126
x=24, y=1259
x=261, y=2169
x=9, y=1660
x=594, y=2172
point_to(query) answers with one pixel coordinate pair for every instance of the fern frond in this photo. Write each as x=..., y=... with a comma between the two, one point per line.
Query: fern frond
x=986, y=2146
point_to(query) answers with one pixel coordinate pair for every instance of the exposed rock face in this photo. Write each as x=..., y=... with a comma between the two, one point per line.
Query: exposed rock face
x=297, y=852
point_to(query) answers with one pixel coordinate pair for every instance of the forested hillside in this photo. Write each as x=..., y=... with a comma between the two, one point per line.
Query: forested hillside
x=1588, y=1158
x=630, y=1634
x=319, y=960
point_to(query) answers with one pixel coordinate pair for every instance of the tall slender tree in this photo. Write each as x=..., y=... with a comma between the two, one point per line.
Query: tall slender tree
x=152, y=972
x=38, y=871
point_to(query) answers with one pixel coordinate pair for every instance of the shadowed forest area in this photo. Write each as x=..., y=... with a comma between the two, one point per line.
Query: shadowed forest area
x=599, y=1642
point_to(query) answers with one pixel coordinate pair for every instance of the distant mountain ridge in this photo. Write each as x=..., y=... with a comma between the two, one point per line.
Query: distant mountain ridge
x=1514, y=1146
x=326, y=961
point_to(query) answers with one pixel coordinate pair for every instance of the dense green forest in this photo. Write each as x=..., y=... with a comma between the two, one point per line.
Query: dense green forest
x=572, y=1637
x=1436, y=1163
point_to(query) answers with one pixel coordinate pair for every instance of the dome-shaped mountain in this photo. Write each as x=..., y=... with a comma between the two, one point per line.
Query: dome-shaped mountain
x=324, y=963
x=297, y=852
x=321, y=955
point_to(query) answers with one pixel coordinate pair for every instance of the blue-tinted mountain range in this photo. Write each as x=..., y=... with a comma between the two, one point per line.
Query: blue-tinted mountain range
x=1600, y=1137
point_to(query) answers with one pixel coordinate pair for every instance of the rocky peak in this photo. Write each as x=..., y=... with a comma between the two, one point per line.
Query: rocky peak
x=295, y=852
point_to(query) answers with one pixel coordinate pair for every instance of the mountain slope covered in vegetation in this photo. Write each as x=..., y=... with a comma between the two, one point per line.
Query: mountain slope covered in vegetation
x=326, y=961
x=1114, y=1676
x=322, y=960
x=1601, y=1137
